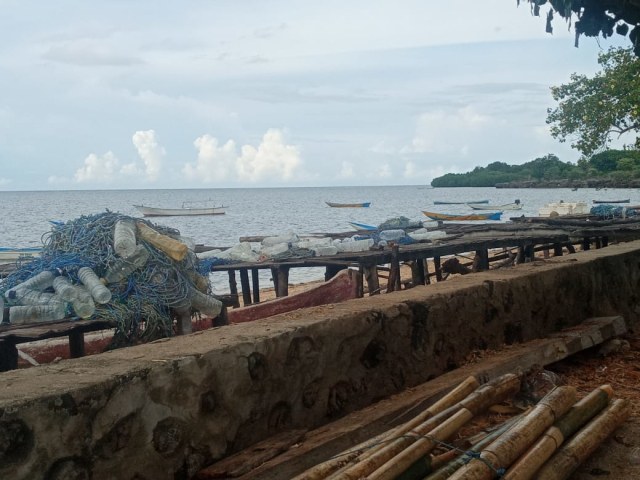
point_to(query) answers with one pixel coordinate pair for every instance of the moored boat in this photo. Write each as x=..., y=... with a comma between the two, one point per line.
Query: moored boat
x=438, y=202
x=177, y=212
x=626, y=200
x=11, y=255
x=363, y=226
x=348, y=205
x=506, y=206
x=471, y=216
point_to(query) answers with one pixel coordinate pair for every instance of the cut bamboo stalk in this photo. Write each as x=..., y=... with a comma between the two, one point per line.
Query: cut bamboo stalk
x=444, y=472
x=506, y=449
x=586, y=441
x=175, y=249
x=332, y=465
x=577, y=416
x=483, y=397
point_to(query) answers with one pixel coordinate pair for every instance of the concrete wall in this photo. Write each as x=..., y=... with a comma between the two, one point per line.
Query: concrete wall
x=164, y=410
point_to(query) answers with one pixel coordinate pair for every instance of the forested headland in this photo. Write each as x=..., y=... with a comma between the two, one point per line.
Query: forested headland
x=611, y=168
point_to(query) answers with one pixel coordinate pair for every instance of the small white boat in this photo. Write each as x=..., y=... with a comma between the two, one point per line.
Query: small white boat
x=178, y=212
x=563, y=208
x=506, y=206
x=12, y=255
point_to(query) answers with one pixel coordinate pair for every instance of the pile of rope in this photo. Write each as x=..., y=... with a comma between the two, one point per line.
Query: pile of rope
x=141, y=305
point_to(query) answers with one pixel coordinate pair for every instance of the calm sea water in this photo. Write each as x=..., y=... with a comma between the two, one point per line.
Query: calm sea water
x=267, y=211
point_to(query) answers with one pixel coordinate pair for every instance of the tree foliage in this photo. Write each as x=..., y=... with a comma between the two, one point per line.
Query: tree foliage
x=592, y=111
x=595, y=17
x=549, y=167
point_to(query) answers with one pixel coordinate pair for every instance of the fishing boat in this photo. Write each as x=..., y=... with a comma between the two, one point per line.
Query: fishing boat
x=438, y=202
x=363, y=226
x=626, y=200
x=348, y=205
x=12, y=255
x=563, y=208
x=506, y=206
x=188, y=208
x=471, y=216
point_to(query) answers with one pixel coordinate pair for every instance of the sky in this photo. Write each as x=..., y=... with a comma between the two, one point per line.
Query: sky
x=212, y=94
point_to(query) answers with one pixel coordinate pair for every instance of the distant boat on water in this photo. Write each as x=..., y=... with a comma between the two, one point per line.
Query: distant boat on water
x=438, y=202
x=471, y=216
x=506, y=206
x=186, y=210
x=563, y=208
x=363, y=226
x=626, y=200
x=348, y=205
x=11, y=255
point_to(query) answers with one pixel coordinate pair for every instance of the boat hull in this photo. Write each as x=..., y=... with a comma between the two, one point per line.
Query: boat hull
x=507, y=206
x=563, y=208
x=437, y=202
x=363, y=226
x=626, y=200
x=470, y=217
x=178, y=212
x=11, y=255
x=348, y=205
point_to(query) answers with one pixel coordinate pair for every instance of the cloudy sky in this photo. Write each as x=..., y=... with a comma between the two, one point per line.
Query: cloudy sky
x=242, y=93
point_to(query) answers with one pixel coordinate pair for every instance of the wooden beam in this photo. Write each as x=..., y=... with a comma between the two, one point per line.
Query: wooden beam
x=8, y=355
x=438, y=267
x=371, y=276
x=76, y=343
x=255, y=279
x=246, y=289
x=233, y=285
x=283, y=281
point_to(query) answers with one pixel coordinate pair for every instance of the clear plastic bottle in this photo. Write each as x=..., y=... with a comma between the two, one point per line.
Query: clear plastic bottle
x=39, y=282
x=355, y=246
x=324, y=250
x=289, y=237
x=124, y=267
x=392, y=235
x=31, y=297
x=25, y=314
x=124, y=238
x=78, y=296
x=205, y=304
x=89, y=279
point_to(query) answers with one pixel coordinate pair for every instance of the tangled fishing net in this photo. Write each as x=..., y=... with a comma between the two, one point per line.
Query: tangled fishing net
x=607, y=212
x=142, y=304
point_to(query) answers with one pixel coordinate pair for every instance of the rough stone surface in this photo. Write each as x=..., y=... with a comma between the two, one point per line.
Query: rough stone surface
x=166, y=409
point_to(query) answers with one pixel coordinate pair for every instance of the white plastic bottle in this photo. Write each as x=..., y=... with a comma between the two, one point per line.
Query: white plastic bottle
x=324, y=250
x=205, y=304
x=31, y=297
x=355, y=246
x=39, y=282
x=79, y=297
x=89, y=279
x=392, y=235
x=124, y=267
x=21, y=315
x=124, y=238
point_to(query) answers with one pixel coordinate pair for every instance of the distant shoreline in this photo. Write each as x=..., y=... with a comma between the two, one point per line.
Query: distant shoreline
x=566, y=183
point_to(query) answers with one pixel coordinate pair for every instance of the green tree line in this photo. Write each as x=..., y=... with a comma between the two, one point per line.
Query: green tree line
x=610, y=164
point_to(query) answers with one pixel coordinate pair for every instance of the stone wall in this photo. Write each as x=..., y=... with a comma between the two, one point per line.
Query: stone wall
x=164, y=410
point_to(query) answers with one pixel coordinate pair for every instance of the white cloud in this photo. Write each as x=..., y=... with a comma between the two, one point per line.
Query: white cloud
x=441, y=131
x=150, y=151
x=214, y=162
x=346, y=170
x=4, y=181
x=380, y=171
x=98, y=168
x=273, y=159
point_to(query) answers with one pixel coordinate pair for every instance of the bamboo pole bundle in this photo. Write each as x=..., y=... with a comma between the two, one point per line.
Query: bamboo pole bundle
x=506, y=449
x=443, y=472
x=483, y=397
x=577, y=416
x=323, y=470
x=580, y=447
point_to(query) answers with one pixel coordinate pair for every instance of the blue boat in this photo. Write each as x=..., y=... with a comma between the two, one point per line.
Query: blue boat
x=363, y=226
x=348, y=205
x=437, y=202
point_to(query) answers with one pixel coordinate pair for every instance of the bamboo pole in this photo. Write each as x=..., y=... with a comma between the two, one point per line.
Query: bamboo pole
x=332, y=465
x=580, y=447
x=445, y=470
x=172, y=247
x=506, y=449
x=483, y=397
x=577, y=416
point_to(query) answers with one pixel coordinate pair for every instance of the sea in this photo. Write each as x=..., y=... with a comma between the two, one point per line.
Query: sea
x=26, y=216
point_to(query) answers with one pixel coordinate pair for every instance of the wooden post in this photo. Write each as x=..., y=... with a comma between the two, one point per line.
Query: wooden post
x=557, y=249
x=274, y=278
x=483, y=259
x=183, y=317
x=331, y=271
x=417, y=272
x=371, y=276
x=359, y=282
x=436, y=264
x=221, y=319
x=76, y=344
x=571, y=248
x=520, y=258
x=255, y=279
x=393, y=283
x=605, y=241
x=598, y=242
x=246, y=289
x=586, y=244
x=283, y=282
x=427, y=275
x=8, y=355
x=233, y=286
x=529, y=253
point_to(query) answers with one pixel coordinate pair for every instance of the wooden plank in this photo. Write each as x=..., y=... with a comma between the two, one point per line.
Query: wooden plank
x=76, y=343
x=283, y=282
x=233, y=285
x=338, y=436
x=438, y=268
x=246, y=460
x=371, y=276
x=183, y=320
x=246, y=289
x=255, y=279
